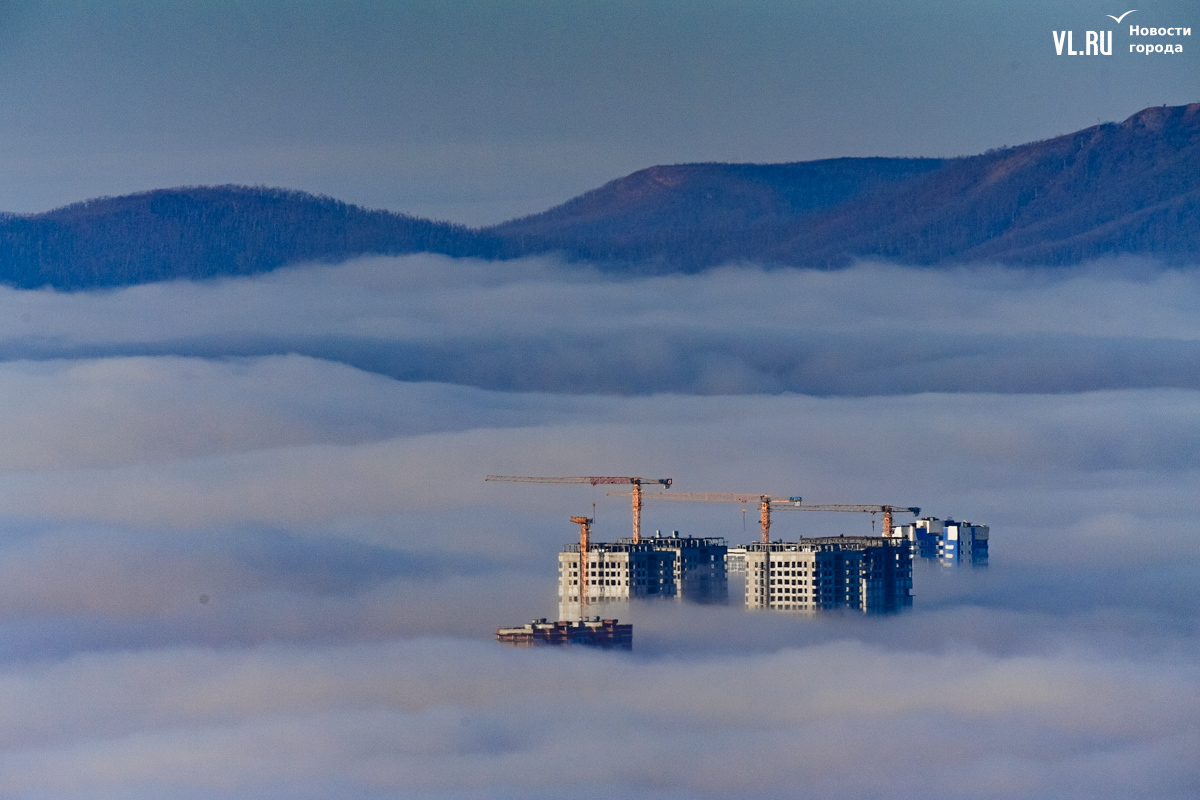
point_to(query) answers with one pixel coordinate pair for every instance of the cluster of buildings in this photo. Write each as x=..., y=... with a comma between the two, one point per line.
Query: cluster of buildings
x=869, y=574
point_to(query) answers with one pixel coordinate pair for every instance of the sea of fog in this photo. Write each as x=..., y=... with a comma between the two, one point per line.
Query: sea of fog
x=247, y=550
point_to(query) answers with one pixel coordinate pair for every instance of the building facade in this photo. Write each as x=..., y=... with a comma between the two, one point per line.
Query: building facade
x=699, y=566
x=735, y=560
x=616, y=571
x=869, y=574
x=690, y=568
x=947, y=541
x=595, y=632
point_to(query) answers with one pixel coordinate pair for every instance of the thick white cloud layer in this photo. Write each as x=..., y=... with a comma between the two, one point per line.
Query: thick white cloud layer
x=276, y=575
x=532, y=325
x=444, y=718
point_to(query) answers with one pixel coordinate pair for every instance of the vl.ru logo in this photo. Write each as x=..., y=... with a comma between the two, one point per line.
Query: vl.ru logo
x=1095, y=43
x=1099, y=43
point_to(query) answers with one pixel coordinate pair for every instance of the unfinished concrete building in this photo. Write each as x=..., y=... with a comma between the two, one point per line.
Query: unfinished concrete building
x=690, y=568
x=616, y=571
x=864, y=573
x=699, y=565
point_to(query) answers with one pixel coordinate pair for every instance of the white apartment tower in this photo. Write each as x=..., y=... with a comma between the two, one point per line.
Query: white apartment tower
x=616, y=571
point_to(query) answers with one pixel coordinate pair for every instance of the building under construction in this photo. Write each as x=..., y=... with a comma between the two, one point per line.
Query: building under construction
x=699, y=565
x=690, y=568
x=594, y=632
x=870, y=574
x=614, y=571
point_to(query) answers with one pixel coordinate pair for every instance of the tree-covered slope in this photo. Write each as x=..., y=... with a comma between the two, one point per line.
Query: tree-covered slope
x=203, y=232
x=689, y=216
x=1128, y=188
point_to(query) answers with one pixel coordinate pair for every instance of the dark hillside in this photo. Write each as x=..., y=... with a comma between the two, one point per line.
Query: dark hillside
x=689, y=216
x=202, y=232
x=1128, y=188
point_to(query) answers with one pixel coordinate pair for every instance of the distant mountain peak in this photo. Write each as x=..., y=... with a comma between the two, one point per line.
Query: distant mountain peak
x=1128, y=188
x=1158, y=118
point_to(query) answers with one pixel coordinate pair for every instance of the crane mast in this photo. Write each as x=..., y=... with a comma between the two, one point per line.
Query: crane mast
x=595, y=480
x=585, y=527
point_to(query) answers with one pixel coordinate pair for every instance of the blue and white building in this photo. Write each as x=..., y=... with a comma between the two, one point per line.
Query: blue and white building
x=948, y=541
x=870, y=574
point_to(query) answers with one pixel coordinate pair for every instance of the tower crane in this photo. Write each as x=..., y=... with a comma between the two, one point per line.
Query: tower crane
x=585, y=527
x=594, y=481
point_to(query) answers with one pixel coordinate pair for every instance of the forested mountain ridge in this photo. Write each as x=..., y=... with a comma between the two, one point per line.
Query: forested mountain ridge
x=1112, y=189
x=689, y=216
x=1130, y=187
x=209, y=231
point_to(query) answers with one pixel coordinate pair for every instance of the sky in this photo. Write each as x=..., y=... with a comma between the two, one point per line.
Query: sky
x=246, y=547
x=477, y=112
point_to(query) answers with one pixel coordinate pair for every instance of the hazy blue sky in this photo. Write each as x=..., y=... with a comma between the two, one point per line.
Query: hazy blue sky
x=478, y=111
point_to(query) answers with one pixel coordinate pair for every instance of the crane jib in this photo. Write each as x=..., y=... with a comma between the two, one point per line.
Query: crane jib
x=594, y=480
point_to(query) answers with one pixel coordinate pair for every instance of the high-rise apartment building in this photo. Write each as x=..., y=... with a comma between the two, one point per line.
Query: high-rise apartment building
x=690, y=568
x=699, y=569
x=870, y=574
x=616, y=571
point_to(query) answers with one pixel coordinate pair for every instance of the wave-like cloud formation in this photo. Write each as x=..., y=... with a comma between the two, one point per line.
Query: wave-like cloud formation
x=440, y=718
x=353, y=564
x=537, y=326
x=276, y=575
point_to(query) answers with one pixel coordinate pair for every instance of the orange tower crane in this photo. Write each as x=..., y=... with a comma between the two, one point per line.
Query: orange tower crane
x=594, y=481
x=585, y=527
